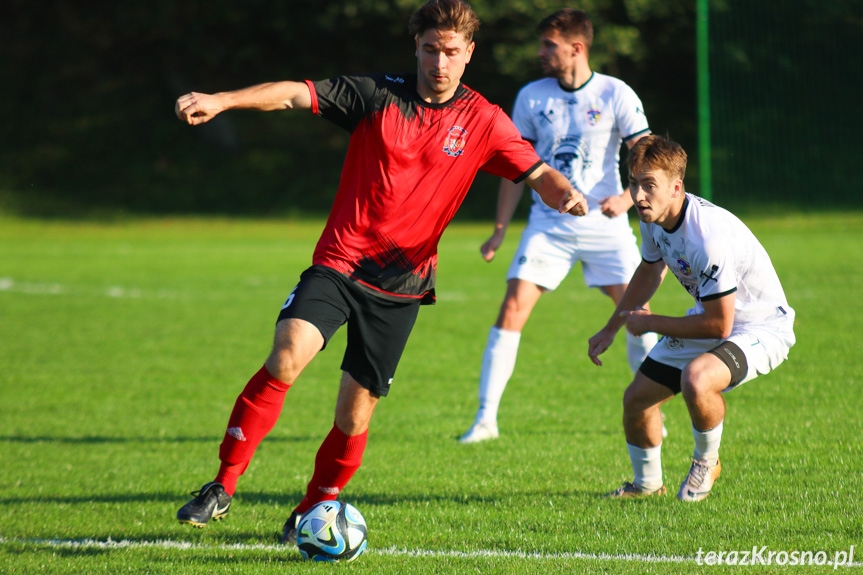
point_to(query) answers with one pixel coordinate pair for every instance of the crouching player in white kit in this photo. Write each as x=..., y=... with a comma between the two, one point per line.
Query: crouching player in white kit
x=741, y=326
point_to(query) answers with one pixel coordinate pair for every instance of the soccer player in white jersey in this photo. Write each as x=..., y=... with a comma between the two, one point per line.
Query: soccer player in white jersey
x=577, y=120
x=741, y=326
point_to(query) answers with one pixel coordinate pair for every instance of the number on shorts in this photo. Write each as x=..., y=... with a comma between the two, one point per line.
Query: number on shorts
x=290, y=298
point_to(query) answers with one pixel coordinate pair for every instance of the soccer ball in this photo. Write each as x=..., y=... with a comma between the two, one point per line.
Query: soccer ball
x=332, y=531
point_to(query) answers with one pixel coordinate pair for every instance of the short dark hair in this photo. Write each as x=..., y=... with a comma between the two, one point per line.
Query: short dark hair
x=454, y=15
x=570, y=23
x=656, y=153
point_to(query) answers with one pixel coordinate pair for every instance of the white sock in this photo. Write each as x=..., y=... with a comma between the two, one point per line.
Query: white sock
x=707, y=443
x=637, y=348
x=647, y=466
x=498, y=363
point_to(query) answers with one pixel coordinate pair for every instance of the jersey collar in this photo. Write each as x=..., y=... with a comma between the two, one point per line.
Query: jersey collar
x=571, y=90
x=682, y=216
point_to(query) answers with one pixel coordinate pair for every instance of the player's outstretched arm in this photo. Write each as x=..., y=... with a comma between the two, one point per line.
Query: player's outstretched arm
x=196, y=108
x=716, y=322
x=508, y=196
x=644, y=283
x=557, y=191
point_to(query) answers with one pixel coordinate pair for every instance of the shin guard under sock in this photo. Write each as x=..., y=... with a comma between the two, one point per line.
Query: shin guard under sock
x=256, y=411
x=338, y=458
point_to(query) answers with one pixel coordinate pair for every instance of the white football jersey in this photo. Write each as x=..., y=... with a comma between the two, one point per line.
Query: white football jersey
x=579, y=133
x=713, y=254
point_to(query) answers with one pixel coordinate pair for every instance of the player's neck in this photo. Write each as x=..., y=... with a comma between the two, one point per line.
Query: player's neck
x=575, y=78
x=675, y=213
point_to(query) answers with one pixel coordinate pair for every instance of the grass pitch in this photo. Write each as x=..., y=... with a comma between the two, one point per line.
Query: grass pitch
x=124, y=345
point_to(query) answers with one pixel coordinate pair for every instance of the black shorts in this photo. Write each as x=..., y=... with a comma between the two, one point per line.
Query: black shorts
x=378, y=329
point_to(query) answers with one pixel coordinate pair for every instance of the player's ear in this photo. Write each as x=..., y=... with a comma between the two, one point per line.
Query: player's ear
x=417, y=45
x=469, y=52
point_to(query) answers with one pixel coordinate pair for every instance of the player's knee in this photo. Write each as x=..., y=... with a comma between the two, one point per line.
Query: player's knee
x=283, y=365
x=352, y=421
x=513, y=314
x=694, y=383
x=635, y=400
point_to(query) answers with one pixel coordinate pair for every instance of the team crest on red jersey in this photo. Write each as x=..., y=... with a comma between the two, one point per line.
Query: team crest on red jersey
x=455, y=141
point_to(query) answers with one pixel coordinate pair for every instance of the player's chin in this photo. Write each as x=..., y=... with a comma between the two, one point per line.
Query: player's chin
x=644, y=214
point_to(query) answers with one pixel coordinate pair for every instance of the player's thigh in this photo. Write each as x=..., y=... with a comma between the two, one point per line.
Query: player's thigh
x=378, y=332
x=760, y=351
x=312, y=313
x=543, y=259
x=665, y=363
x=644, y=393
x=706, y=374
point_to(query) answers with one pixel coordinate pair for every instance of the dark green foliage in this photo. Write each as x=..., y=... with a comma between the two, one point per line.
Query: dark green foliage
x=784, y=99
x=87, y=112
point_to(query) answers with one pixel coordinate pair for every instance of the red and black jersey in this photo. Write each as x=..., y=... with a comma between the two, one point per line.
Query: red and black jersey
x=409, y=165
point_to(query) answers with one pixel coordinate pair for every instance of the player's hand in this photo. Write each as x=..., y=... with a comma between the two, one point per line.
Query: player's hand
x=491, y=245
x=637, y=322
x=613, y=206
x=599, y=343
x=574, y=203
x=195, y=108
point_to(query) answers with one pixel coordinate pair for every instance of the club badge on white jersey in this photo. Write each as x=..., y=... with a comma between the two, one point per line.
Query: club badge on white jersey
x=579, y=133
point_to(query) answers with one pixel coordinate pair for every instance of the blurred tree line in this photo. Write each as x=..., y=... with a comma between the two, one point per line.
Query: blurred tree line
x=89, y=88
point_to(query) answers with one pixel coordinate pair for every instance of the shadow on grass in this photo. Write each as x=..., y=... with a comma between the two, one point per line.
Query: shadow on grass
x=95, y=440
x=178, y=497
x=289, y=499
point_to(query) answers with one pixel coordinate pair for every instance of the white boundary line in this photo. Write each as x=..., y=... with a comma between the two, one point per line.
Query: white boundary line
x=389, y=551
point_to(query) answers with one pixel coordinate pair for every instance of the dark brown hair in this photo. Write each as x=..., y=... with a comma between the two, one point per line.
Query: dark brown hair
x=454, y=15
x=656, y=153
x=570, y=23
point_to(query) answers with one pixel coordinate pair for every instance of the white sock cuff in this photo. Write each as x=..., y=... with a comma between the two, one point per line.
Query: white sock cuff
x=710, y=433
x=707, y=443
x=643, y=453
x=503, y=336
x=646, y=466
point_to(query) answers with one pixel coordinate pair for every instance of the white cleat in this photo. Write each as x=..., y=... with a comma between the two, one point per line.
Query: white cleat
x=699, y=482
x=480, y=432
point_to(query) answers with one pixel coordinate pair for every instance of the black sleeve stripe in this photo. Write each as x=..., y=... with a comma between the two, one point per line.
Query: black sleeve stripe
x=527, y=174
x=719, y=295
x=651, y=262
x=636, y=135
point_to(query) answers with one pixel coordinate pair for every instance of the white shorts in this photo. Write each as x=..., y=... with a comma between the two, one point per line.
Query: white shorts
x=765, y=348
x=545, y=259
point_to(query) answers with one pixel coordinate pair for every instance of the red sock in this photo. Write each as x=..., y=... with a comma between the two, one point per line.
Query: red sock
x=255, y=413
x=338, y=458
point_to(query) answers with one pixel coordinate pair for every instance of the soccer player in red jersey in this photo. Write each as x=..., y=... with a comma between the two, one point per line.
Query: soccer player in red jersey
x=417, y=142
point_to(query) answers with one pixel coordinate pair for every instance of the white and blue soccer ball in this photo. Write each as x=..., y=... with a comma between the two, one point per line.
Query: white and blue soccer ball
x=332, y=531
